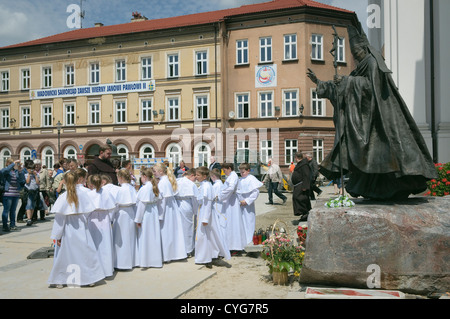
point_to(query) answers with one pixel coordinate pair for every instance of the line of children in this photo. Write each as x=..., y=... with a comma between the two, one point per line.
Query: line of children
x=114, y=227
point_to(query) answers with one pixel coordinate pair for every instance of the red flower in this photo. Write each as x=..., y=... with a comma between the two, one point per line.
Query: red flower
x=434, y=194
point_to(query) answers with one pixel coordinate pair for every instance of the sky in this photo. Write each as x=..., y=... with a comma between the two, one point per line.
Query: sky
x=25, y=20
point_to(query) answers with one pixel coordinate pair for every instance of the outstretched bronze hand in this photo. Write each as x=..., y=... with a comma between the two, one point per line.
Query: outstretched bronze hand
x=312, y=76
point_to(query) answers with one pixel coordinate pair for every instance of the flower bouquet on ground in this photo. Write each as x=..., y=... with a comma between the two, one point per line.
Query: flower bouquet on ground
x=441, y=186
x=341, y=201
x=282, y=256
x=301, y=233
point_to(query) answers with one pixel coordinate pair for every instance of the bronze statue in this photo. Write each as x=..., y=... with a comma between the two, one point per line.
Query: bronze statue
x=377, y=144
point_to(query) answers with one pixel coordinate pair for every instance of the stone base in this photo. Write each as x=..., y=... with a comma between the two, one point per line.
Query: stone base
x=394, y=246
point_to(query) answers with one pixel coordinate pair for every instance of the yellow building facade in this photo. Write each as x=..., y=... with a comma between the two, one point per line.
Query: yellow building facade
x=178, y=88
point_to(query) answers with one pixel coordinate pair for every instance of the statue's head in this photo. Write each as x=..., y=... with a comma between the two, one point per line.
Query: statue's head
x=358, y=42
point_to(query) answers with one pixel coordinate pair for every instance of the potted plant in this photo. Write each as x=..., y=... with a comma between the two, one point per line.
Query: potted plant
x=282, y=256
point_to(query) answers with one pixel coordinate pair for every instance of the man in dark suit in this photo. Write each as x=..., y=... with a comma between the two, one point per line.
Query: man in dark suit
x=214, y=164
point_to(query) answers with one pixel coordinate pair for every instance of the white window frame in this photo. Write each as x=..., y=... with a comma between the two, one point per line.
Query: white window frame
x=240, y=105
x=69, y=75
x=25, y=154
x=47, y=115
x=120, y=111
x=173, y=65
x=25, y=116
x=317, y=47
x=121, y=70
x=69, y=113
x=289, y=150
x=122, y=151
x=94, y=73
x=144, y=154
x=267, y=104
x=4, y=75
x=242, y=52
x=5, y=117
x=318, y=150
x=290, y=103
x=175, y=108
x=47, y=77
x=201, y=62
x=204, y=104
x=146, y=68
x=48, y=159
x=266, y=150
x=96, y=113
x=341, y=50
x=265, y=49
x=146, y=110
x=290, y=47
x=317, y=104
x=70, y=152
x=25, y=79
x=5, y=153
x=176, y=156
x=202, y=151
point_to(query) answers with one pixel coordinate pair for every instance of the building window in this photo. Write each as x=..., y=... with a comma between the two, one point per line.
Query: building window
x=173, y=66
x=243, y=105
x=4, y=155
x=94, y=113
x=265, y=104
x=290, y=147
x=265, y=48
x=47, y=116
x=317, y=105
x=202, y=154
x=5, y=81
x=147, y=151
x=48, y=157
x=266, y=151
x=318, y=150
x=201, y=63
x=25, y=81
x=242, y=52
x=70, y=152
x=146, y=111
x=122, y=151
x=341, y=50
x=173, y=152
x=25, y=154
x=173, y=108
x=201, y=105
x=70, y=75
x=290, y=47
x=5, y=118
x=70, y=114
x=146, y=68
x=26, y=117
x=317, y=47
x=94, y=71
x=47, y=77
x=121, y=71
x=290, y=102
x=121, y=112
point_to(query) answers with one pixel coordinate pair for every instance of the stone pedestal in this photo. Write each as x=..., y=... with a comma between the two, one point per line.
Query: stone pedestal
x=396, y=246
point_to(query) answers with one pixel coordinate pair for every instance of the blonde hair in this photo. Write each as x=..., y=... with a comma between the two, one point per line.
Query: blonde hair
x=216, y=173
x=106, y=178
x=95, y=181
x=147, y=172
x=163, y=168
x=80, y=173
x=202, y=170
x=70, y=178
x=124, y=174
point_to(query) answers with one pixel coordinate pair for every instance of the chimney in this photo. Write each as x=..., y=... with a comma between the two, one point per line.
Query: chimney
x=98, y=24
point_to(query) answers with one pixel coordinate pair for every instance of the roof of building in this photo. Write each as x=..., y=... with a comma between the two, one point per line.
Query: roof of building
x=174, y=22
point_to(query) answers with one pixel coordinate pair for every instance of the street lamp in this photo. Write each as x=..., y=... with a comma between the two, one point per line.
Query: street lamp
x=58, y=127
